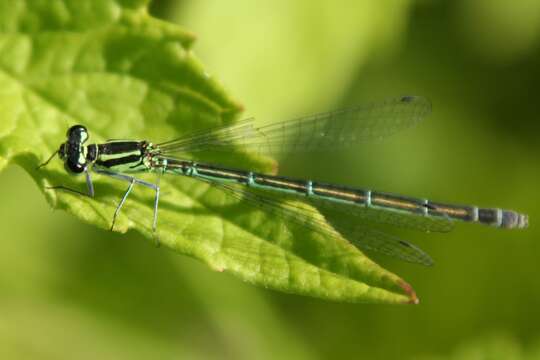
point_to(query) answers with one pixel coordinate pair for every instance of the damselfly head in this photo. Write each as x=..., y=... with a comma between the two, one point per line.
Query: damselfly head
x=72, y=151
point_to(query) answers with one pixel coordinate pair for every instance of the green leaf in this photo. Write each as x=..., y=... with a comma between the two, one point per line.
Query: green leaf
x=112, y=67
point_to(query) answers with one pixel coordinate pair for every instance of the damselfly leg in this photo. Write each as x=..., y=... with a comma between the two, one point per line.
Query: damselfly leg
x=89, y=185
x=132, y=181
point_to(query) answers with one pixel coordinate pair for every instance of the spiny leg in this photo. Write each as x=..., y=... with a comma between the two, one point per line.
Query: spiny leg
x=132, y=182
x=156, y=202
x=89, y=183
x=89, y=186
x=117, y=211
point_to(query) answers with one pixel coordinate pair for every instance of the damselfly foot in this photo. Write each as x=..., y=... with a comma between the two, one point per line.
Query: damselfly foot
x=65, y=188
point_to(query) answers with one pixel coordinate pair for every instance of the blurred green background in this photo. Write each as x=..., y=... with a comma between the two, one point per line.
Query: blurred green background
x=69, y=290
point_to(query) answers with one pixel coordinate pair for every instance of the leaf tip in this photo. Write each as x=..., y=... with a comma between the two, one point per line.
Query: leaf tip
x=409, y=291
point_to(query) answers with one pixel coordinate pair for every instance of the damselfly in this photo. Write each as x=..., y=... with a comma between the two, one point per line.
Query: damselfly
x=322, y=132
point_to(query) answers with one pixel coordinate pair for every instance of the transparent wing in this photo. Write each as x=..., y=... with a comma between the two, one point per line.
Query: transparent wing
x=311, y=133
x=360, y=235
x=384, y=216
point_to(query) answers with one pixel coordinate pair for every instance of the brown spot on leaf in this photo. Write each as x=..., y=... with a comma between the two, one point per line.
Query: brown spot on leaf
x=407, y=288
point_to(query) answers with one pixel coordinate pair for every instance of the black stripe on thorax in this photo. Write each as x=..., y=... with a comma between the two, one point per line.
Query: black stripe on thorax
x=120, y=161
x=119, y=147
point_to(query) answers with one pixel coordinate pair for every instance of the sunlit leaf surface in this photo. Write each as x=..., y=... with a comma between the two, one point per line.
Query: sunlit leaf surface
x=112, y=67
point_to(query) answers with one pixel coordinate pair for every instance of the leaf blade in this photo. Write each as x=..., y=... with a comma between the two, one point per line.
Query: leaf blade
x=126, y=74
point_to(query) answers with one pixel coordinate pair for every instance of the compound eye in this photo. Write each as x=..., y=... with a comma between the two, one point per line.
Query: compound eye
x=73, y=167
x=77, y=133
